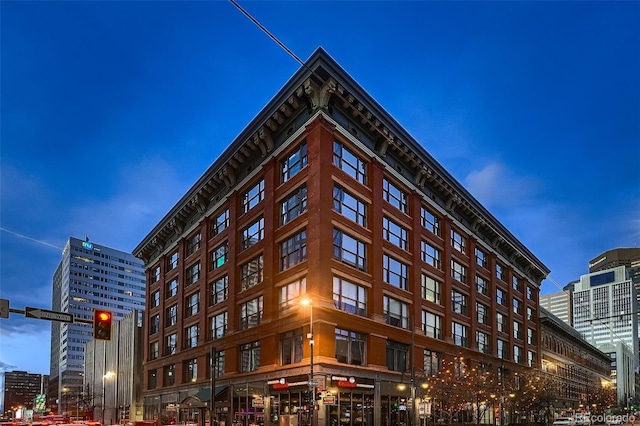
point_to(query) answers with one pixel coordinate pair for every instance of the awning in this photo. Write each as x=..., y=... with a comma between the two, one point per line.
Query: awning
x=205, y=394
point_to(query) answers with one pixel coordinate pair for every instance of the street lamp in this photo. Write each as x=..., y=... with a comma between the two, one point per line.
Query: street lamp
x=312, y=382
x=107, y=375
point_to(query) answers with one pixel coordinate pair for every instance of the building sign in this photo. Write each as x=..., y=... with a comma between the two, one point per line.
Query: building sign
x=88, y=245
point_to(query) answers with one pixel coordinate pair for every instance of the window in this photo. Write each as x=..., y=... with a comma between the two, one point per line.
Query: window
x=172, y=262
x=350, y=347
x=291, y=165
x=290, y=292
x=531, y=313
x=501, y=322
x=430, y=222
x=191, y=335
x=517, y=354
x=531, y=359
x=500, y=272
x=154, y=324
x=430, y=255
x=349, y=206
x=155, y=299
x=193, y=244
x=253, y=196
x=251, y=273
x=482, y=285
x=218, y=363
x=482, y=259
x=219, y=290
x=170, y=375
x=397, y=356
x=459, y=332
x=152, y=379
x=154, y=350
x=529, y=293
x=395, y=196
x=394, y=233
x=192, y=304
x=155, y=275
x=395, y=272
x=172, y=316
x=396, y=312
x=431, y=363
x=482, y=313
x=459, y=302
x=517, y=330
x=458, y=272
x=219, y=256
x=251, y=313
x=293, y=250
x=250, y=357
x=517, y=306
x=501, y=297
x=483, y=342
x=218, y=325
x=349, y=297
x=531, y=336
x=349, y=250
x=349, y=163
x=294, y=205
x=193, y=274
x=431, y=289
x=431, y=325
x=172, y=288
x=516, y=283
x=291, y=347
x=191, y=370
x=458, y=241
x=220, y=223
x=171, y=344
x=252, y=234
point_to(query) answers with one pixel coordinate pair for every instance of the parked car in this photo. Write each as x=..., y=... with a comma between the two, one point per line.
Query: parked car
x=564, y=421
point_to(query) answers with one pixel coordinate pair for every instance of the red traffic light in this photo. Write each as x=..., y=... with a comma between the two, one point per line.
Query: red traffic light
x=102, y=322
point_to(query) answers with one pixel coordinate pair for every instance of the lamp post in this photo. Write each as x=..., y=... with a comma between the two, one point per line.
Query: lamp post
x=312, y=382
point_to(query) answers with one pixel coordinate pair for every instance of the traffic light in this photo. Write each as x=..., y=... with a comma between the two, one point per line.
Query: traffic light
x=102, y=321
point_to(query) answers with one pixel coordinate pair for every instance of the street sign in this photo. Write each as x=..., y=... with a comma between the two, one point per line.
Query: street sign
x=47, y=315
x=4, y=308
x=313, y=383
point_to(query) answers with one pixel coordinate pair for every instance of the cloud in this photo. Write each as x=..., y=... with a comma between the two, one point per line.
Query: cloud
x=496, y=187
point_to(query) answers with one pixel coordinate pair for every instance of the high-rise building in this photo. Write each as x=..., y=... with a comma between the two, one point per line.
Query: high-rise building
x=559, y=304
x=604, y=313
x=89, y=276
x=21, y=389
x=325, y=198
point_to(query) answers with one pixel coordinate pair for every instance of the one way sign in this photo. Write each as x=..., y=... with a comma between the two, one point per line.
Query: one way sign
x=47, y=315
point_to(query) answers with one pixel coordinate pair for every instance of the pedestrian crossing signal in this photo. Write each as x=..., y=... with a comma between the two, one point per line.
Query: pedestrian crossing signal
x=102, y=324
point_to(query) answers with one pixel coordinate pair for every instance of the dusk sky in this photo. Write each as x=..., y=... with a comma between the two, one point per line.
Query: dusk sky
x=111, y=111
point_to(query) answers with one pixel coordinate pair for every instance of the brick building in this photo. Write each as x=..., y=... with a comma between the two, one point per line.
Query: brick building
x=323, y=196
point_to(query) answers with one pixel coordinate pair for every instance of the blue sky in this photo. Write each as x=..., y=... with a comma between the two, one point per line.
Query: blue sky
x=112, y=110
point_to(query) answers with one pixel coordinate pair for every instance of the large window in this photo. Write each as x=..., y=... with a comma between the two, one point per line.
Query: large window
x=502, y=350
x=251, y=313
x=218, y=325
x=193, y=243
x=171, y=316
x=482, y=285
x=501, y=322
x=171, y=288
x=349, y=206
x=218, y=363
x=253, y=196
x=219, y=256
x=349, y=250
x=291, y=347
x=170, y=375
x=482, y=259
x=395, y=233
x=155, y=275
x=431, y=289
x=154, y=324
x=171, y=344
x=291, y=165
x=349, y=297
x=293, y=250
x=154, y=350
x=459, y=303
x=458, y=272
x=220, y=222
x=191, y=335
x=219, y=290
x=431, y=255
x=517, y=306
x=482, y=313
x=430, y=221
x=501, y=273
x=251, y=273
x=501, y=297
x=350, y=347
x=152, y=377
x=348, y=162
x=155, y=299
x=172, y=262
x=397, y=356
x=396, y=312
x=517, y=330
x=193, y=274
x=395, y=196
x=458, y=241
x=431, y=363
x=253, y=233
x=290, y=292
x=483, y=342
x=192, y=304
x=395, y=272
x=250, y=357
x=517, y=354
x=460, y=334
x=191, y=370
x=294, y=205
x=431, y=325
